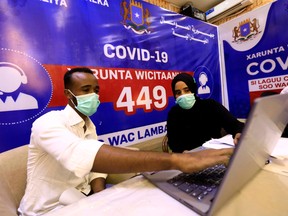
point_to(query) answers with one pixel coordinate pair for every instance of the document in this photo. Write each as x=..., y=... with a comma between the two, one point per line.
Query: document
x=279, y=158
x=223, y=142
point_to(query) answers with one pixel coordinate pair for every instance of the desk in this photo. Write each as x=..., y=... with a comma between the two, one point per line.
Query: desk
x=264, y=196
x=138, y=197
x=134, y=197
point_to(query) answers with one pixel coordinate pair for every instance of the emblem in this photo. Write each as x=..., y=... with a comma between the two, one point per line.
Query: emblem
x=135, y=17
x=246, y=30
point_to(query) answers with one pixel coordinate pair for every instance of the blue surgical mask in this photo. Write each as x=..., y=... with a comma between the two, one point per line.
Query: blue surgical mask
x=186, y=101
x=87, y=104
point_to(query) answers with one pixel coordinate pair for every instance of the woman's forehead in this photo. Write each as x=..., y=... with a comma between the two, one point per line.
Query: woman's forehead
x=180, y=85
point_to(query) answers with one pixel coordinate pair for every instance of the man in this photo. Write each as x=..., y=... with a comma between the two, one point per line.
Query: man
x=64, y=151
x=193, y=121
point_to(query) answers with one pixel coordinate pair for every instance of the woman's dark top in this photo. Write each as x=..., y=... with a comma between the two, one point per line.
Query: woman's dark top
x=188, y=129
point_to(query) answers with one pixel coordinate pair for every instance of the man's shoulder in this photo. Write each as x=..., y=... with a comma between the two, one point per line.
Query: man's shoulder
x=52, y=113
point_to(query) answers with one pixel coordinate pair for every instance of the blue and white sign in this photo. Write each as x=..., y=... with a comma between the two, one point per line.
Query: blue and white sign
x=256, y=55
x=134, y=49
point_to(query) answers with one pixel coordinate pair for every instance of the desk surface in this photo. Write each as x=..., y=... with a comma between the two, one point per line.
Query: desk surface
x=266, y=194
x=138, y=197
x=134, y=197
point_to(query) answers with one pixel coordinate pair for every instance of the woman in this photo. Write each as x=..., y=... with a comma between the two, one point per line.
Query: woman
x=193, y=121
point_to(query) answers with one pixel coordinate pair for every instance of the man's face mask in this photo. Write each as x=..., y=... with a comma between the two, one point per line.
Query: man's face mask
x=87, y=104
x=186, y=101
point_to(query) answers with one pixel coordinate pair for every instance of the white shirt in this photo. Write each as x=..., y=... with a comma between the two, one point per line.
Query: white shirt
x=61, y=156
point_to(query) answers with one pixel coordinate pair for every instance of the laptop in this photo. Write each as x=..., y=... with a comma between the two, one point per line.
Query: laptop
x=263, y=128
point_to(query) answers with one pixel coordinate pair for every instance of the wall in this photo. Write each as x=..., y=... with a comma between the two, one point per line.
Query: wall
x=256, y=4
x=169, y=6
x=164, y=4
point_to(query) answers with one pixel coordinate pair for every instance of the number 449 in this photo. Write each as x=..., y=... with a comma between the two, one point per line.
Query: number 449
x=144, y=100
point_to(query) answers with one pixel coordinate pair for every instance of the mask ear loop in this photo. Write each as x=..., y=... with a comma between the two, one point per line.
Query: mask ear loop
x=71, y=98
x=73, y=102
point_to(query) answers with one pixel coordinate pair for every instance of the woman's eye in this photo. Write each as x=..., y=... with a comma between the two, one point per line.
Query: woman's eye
x=177, y=93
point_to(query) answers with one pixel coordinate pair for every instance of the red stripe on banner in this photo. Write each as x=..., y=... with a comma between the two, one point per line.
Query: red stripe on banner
x=256, y=94
x=128, y=89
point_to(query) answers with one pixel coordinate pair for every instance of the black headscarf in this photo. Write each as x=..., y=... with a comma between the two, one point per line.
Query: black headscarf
x=187, y=79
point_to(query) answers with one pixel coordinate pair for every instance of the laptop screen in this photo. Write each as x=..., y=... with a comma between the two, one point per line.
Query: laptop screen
x=263, y=128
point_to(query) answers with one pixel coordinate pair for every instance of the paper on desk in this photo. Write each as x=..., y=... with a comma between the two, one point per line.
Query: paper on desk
x=281, y=149
x=279, y=158
x=223, y=142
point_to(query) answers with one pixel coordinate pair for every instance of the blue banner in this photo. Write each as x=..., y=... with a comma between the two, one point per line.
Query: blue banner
x=256, y=55
x=134, y=49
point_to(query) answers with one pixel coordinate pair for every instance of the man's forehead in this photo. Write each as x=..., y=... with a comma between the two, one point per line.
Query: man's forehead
x=80, y=78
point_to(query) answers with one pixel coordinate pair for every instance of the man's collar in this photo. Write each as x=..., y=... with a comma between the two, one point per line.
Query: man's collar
x=73, y=117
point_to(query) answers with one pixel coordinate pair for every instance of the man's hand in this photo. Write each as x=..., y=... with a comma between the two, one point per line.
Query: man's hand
x=199, y=160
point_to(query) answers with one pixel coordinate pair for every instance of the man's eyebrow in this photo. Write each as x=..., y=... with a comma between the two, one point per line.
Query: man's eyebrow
x=86, y=86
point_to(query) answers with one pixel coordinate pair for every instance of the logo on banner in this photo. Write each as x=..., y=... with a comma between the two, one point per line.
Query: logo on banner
x=246, y=30
x=135, y=17
x=25, y=87
x=205, y=82
x=10, y=98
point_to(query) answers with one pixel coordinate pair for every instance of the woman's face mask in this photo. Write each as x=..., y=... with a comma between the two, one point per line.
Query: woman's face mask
x=186, y=101
x=87, y=104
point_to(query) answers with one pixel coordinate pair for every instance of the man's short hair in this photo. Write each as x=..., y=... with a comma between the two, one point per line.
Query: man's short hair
x=68, y=75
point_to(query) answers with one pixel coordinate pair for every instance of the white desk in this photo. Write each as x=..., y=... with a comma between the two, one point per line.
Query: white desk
x=263, y=196
x=138, y=197
x=134, y=197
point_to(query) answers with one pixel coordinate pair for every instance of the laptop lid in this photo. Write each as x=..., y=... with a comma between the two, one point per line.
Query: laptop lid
x=263, y=128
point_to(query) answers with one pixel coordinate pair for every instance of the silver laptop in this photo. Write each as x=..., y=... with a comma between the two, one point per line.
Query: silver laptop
x=263, y=128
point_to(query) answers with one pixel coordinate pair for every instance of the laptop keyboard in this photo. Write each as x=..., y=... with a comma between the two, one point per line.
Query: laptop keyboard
x=199, y=184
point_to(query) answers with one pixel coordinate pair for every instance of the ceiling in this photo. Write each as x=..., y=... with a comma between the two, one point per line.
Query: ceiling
x=202, y=5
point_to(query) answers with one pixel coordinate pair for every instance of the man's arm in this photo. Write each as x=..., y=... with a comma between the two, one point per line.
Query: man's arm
x=111, y=159
x=98, y=184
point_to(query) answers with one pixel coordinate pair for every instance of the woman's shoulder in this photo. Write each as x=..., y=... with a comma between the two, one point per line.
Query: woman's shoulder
x=174, y=109
x=208, y=101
